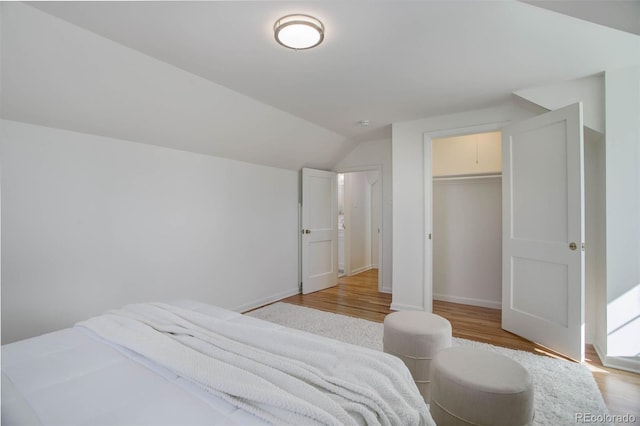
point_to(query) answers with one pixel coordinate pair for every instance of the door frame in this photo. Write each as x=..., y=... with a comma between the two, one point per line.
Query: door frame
x=428, y=137
x=371, y=168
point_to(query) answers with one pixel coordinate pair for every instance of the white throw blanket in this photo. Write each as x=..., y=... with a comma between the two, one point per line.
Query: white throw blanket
x=280, y=376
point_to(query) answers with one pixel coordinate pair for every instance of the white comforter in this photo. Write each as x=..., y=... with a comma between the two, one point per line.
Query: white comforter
x=279, y=376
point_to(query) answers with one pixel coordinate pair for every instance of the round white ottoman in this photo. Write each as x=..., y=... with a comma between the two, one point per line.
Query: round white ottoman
x=478, y=387
x=415, y=337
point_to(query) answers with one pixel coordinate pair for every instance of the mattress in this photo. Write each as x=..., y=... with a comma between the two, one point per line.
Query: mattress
x=73, y=377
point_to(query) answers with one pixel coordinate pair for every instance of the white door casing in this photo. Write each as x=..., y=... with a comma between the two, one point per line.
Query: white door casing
x=376, y=252
x=319, y=233
x=543, y=230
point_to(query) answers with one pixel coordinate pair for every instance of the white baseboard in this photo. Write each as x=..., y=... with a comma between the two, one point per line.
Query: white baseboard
x=631, y=364
x=599, y=351
x=266, y=300
x=386, y=289
x=468, y=301
x=622, y=363
x=358, y=270
x=403, y=307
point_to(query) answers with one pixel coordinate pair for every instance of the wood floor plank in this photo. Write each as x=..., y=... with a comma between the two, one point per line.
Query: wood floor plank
x=358, y=296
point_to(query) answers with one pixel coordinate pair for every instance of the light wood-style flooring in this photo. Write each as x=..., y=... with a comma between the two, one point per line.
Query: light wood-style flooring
x=358, y=296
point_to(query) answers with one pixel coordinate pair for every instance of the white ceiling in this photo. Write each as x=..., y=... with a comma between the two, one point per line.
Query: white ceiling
x=383, y=61
x=621, y=14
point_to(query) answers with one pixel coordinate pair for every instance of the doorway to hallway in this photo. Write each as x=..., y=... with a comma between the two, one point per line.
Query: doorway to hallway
x=359, y=222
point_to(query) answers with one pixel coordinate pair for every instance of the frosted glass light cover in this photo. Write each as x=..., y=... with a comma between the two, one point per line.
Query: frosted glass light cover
x=298, y=31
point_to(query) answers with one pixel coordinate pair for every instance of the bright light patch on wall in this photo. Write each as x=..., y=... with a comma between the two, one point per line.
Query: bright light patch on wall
x=623, y=324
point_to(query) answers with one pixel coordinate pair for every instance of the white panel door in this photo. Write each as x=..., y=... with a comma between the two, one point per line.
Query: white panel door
x=543, y=230
x=319, y=230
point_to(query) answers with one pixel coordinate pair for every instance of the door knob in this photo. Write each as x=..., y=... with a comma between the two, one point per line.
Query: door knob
x=306, y=231
x=573, y=246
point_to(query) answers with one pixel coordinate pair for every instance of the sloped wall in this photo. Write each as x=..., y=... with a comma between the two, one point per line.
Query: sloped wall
x=56, y=74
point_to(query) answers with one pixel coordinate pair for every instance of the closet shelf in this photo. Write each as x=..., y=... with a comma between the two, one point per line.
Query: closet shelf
x=467, y=177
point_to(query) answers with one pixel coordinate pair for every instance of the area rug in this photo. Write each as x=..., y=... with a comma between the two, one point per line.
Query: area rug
x=563, y=390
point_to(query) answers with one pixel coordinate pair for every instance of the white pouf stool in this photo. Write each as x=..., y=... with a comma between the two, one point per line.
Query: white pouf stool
x=479, y=387
x=415, y=337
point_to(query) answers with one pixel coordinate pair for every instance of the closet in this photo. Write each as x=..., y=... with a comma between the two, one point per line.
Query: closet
x=467, y=219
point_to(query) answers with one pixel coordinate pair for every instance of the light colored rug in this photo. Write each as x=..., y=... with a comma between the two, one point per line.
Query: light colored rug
x=562, y=388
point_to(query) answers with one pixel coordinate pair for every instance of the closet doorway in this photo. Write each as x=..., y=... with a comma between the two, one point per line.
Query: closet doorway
x=359, y=222
x=466, y=188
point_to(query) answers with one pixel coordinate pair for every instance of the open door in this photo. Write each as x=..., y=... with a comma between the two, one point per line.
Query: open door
x=319, y=230
x=543, y=230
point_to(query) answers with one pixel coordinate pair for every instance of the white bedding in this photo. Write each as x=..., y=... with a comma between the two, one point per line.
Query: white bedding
x=72, y=377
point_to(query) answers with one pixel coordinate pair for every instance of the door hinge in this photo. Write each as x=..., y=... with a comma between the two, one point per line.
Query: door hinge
x=429, y=236
x=300, y=287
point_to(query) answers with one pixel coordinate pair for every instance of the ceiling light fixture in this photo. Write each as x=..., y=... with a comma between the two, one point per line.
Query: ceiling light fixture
x=298, y=32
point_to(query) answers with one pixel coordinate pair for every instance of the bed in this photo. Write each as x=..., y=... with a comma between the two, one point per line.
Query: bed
x=188, y=363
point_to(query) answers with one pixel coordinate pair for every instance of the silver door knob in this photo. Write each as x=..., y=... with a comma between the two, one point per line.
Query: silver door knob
x=573, y=246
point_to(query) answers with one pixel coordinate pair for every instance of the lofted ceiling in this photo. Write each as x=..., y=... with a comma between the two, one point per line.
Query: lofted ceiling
x=382, y=61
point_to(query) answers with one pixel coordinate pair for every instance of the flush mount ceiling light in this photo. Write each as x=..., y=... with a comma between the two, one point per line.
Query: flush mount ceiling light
x=298, y=31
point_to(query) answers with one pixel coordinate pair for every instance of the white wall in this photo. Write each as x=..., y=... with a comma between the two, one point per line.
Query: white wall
x=358, y=221
x=588, y=90
x=467, y=241
x=620, y=340
x=90, y=223
x=409, y=232
x=469, y=154
x=373, y=154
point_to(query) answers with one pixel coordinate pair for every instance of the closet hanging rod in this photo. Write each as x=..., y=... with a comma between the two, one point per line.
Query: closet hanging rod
x=467, y=177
